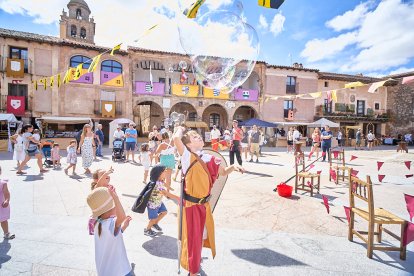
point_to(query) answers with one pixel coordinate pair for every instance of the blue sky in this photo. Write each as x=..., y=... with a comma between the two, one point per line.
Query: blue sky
x=370, y=37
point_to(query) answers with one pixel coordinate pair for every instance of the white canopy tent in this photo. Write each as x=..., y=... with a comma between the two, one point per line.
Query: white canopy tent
x=9, y=118
x=323, y=122
x=113, y=125
x=283, y=124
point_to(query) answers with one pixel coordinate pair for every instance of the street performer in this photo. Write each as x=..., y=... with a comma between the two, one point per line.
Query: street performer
x=200, y=171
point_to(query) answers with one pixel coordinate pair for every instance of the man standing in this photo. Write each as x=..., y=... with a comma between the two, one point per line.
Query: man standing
x=358, y=137
x=119, y=134
x=131, y=141
x=215, y=136
x=254, y=140
x=339, y=138
x=296, y=135
x=100, y=137
x=326, y=142
x=236, y=136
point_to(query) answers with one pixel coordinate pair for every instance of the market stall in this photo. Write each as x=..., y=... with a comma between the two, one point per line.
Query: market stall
x=282, y=140
x=114, y=124
x=6, y=121
x=61, y=129
x=269, y=128
x=321, y=123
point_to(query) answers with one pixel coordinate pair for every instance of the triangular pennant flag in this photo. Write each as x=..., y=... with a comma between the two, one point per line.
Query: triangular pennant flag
x=316, y=95
x=353, y=157
x=408, y=164
x=408, y=233
x=333, y=174
x=308, y=184
x=323, y=153
x=116, y=48
x=354, y=172
x=409, y=175
x=381, y=177
x=335, y=153
x=406, y=80
x=59, y=81
x=94, y=63
x=409, y=200
x=326, y=203
x=354, y=84
x=35, y=84
x=375, y=86
x=44, y=82
x=66, y=79
x=311, y=167
x=379, y=165
x=348, y=213
x=52, y=81
x=78, y=72
x=318, y=172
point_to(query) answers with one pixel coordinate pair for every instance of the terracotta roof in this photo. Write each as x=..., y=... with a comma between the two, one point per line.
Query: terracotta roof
x=291, y=68
x=346, y=77
x=400, y=75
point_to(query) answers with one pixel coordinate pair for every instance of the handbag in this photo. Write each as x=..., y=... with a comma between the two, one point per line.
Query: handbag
x=143, y=198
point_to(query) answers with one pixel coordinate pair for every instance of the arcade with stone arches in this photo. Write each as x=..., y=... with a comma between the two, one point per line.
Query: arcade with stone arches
x=146, y=115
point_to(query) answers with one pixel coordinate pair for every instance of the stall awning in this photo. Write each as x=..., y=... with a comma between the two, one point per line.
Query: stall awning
x=197, y=124
x=65, y=120
x=282, y=124
x=257, y=122
x=323, y=122
x=8, y=117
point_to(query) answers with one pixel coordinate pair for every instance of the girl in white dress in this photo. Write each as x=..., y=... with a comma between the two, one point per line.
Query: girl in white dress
x=87, y=144
x=18, y=154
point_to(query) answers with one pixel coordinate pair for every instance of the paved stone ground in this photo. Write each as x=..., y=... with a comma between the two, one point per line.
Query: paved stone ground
x=257, y=232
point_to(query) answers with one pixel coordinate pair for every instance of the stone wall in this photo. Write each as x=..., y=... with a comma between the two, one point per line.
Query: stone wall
x=401, y=108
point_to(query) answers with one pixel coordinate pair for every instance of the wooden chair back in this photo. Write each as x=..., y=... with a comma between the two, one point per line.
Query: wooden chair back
x=300, y=162
x=337, y=156
x=362, y=190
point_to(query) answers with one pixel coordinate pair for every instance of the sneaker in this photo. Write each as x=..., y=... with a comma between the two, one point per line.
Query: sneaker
x=9, y=236
x=157, y=227
x=149, y=233
x=251, y=160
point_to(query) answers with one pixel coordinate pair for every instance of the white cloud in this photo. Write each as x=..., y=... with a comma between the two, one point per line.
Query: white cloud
x=383, y=40
x=263, y=22
x=277, y=24
x=350, y=19
x=319, y=49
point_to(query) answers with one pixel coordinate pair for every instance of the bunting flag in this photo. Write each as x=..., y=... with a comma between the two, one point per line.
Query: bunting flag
x=408, y=233
x=409, y=200
x=353, y=157
x=379, y=165
x=354, y=173
x=354, y=187
x=146, y=32
x=35, y=84
x=354, y=84
x=52, y=81
x=311, y=167
x=408, y=164
x=333, y=96
x=66, y=79
x=116, y=48
x=309, y=184
x=409, y=175
x=329, y=96
x=332, y=174
x=325, y=202
x=375, y=86
x=44, y=82
x=318, y=172
x=335, y=153
x=381, y=177
x=94, y=63
x=348, y=213
x=406, y=80
x=272, y=4
x=78, y=72
x=316, y=95
x=58, y=80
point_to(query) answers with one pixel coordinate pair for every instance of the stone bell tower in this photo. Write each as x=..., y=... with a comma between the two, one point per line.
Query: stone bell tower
x=77, y=25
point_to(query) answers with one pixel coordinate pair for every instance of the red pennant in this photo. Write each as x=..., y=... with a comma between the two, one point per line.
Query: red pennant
x=408, y=233
x=323, y=154
x=333, y=174
x=409, y=200
x=335, y=153
x=309, y=184
x=353, y=157
x=319, y=172
x=325, y=202
x=408, y=164
x=354, y=187
x=348, y=213
x=311, y=167
x=381, y=177
x=379, y=165
x=354, y=172
x=409, y=175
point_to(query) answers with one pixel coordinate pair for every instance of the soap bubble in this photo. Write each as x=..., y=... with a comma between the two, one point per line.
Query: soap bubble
x=183, y=65
x=223, y=48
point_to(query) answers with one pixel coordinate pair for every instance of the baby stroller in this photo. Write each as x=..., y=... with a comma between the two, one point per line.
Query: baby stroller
x=118, y=150
x=47, y=152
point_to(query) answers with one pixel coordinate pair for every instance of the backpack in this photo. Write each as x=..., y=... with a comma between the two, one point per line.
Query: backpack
x=143, y=198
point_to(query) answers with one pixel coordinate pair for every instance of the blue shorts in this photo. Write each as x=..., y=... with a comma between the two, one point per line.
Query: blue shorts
x=153, y=213
x=32, y=152
x=130, y=146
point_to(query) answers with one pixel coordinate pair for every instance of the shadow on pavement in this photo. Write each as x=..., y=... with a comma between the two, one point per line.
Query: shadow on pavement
x=258, y=174
x=265, y=257
x=33, y=177
x=162, y=246
x=4, y=248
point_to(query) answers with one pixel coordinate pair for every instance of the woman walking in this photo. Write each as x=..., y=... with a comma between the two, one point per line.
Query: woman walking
x=316, y=143
x=290, y=140
x=87, y=144
x=154, y=138
x=31, y=149
x=19, y=153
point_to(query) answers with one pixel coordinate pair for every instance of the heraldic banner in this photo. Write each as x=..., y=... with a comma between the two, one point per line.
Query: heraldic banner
x=15, y=68
x=16, y=105
x=108, y=109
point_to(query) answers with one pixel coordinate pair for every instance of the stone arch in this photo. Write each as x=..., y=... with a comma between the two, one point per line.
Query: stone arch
x=147, y=114
x=187, y=109
x=215, y=114
x=245, y=112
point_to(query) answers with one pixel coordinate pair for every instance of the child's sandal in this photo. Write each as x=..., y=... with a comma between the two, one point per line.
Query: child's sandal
x=9, y=236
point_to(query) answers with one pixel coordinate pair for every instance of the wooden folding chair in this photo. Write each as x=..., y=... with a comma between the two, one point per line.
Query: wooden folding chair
x=337, y=163
x=363, y=190
x=302, y=176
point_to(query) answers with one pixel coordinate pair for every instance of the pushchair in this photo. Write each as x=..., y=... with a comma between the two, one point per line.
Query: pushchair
x=118, y=150
x=47, y=152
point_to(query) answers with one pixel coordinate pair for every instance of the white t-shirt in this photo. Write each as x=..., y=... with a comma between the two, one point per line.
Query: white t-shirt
x=296, y=135
x=370, y=136
x=118, y=134
x=36, y=136
x=215, y=134
x=110, y=254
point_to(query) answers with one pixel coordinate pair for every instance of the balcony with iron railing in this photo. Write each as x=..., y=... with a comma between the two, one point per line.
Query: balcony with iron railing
x=348, y=112
x=27, y=64
x=97, y=110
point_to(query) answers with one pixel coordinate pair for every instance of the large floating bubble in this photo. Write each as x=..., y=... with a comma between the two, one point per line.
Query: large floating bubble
x=222, y=47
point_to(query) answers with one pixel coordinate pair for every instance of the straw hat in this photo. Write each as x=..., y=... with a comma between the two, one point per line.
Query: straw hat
x=100, y=201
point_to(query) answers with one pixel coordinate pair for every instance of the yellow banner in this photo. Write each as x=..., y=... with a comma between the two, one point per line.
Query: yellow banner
x=316, y=95
x=354, y=84
x=185, y=90
x=216, y=93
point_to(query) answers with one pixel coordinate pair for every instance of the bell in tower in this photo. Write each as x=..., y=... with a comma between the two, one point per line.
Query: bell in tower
x=76, y=24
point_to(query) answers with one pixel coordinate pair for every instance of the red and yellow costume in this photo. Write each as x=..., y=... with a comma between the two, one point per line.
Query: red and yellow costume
x=198, y=183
